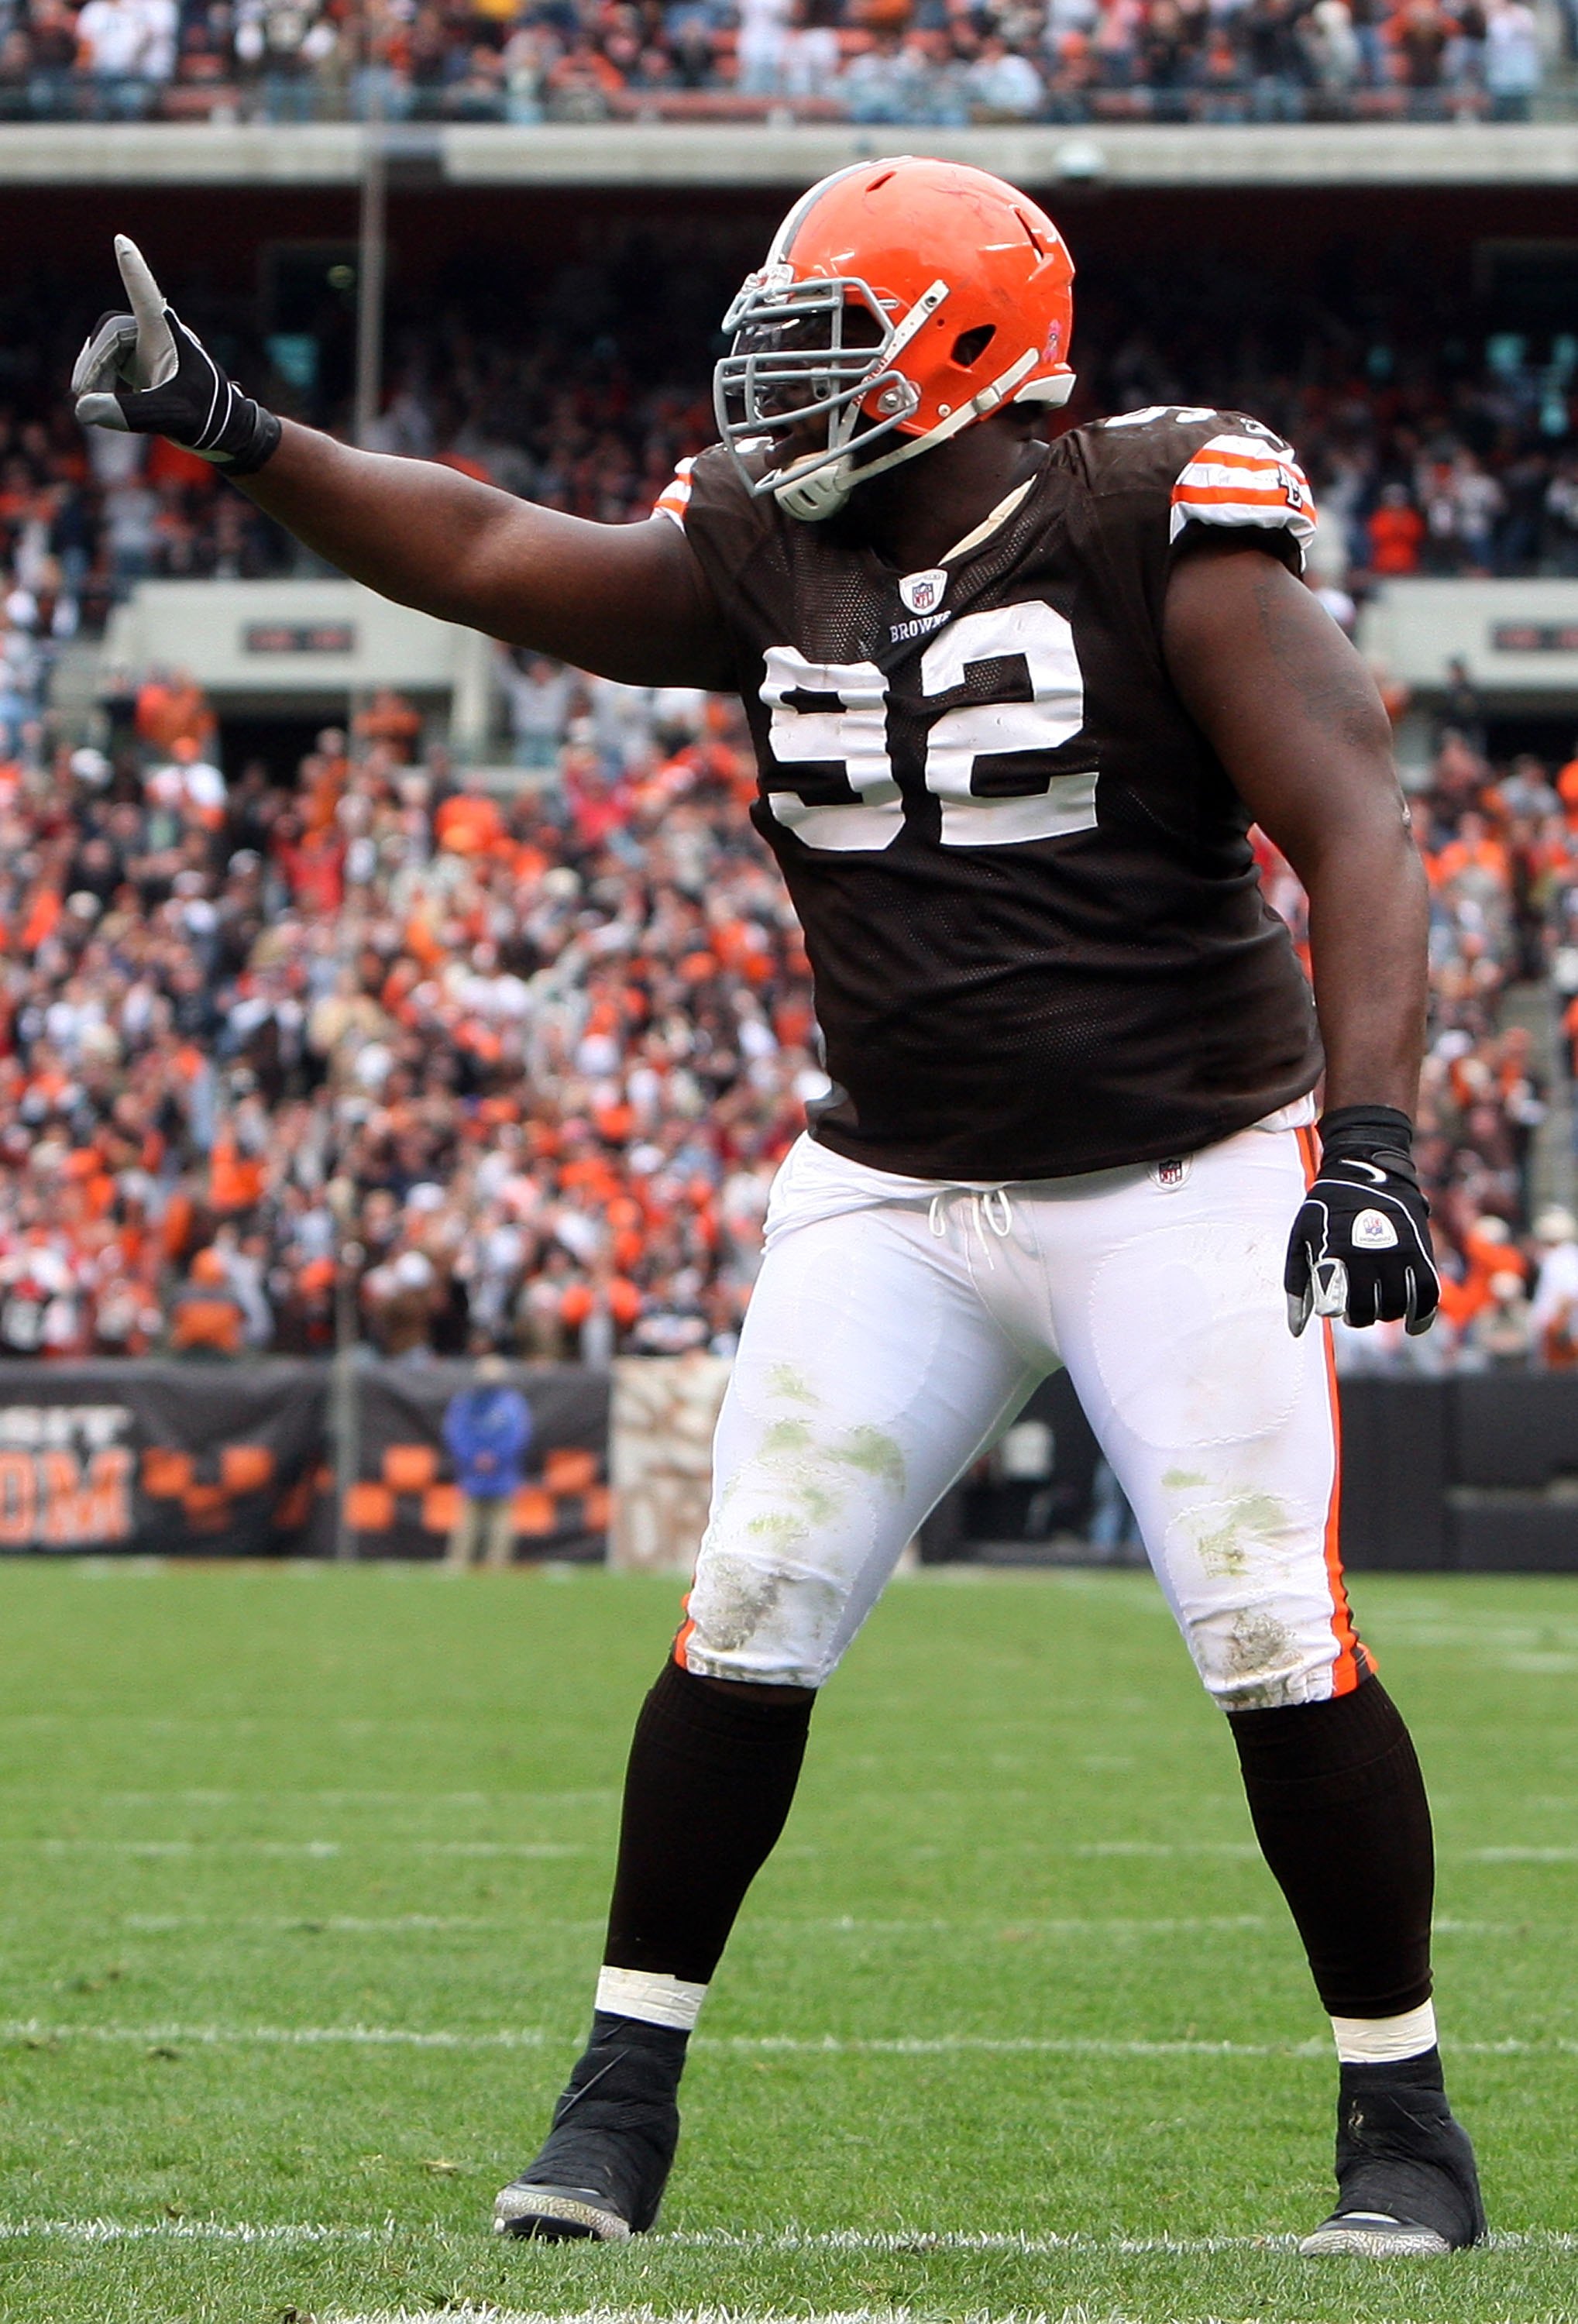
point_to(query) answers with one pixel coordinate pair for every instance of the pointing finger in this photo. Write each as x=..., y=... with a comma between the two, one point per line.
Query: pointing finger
x=146, y=297
x=156, y=358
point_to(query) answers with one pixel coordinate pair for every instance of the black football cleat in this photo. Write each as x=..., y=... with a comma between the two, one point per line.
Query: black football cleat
x=601, y=2173
x=1406, y=2184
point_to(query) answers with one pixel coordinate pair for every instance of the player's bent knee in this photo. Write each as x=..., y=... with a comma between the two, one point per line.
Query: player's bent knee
x=1262, y=1656
x=761, y=1621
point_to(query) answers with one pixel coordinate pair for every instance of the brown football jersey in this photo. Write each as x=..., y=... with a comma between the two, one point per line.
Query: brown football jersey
x=1038, y=938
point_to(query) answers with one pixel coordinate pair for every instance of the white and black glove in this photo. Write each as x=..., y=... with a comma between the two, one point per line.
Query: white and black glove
x=146, y=374
x=1360, y=1245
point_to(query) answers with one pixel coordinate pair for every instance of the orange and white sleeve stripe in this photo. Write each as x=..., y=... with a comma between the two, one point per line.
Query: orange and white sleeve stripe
x=1245, y=480
x=675, y=497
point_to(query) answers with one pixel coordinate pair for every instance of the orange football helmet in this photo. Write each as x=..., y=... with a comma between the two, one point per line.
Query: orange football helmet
x=901, y=297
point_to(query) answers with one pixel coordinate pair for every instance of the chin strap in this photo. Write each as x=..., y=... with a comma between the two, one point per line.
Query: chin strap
x=814, y=497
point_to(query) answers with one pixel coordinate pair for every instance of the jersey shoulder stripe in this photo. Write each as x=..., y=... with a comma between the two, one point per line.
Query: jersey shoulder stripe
x=1245, y=480
x=675, y=497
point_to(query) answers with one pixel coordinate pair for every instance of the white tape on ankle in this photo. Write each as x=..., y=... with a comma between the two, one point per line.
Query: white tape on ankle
x=1377, y=2040
x=658, y=2000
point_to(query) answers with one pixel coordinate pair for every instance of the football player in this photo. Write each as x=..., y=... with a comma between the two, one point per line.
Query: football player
x=1015, y=703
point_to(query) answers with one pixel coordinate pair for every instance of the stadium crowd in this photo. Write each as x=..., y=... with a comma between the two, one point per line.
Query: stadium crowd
x=537, y=1061
x=507, y=1077
x=940, y=62
x=1429, y=455
x=380, y=1051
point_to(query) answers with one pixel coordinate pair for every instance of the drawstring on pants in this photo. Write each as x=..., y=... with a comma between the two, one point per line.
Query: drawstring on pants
x=992, y=1209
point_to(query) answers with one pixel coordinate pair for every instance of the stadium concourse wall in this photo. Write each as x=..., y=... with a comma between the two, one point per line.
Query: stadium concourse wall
x=779, y=153
x=277, y=1458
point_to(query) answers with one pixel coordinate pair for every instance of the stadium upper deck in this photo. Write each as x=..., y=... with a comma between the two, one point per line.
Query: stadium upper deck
x=943, y=65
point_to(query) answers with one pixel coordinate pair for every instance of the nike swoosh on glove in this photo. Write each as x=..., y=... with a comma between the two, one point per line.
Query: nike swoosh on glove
x=147, y=374
x=1360, y=1245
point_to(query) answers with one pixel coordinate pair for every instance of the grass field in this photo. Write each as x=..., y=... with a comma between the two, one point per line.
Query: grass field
x=304, y=1873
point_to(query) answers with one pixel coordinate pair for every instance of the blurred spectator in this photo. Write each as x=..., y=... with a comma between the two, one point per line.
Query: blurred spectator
x=126, y=50
x=1396, y=530
x=1554, y=1311
x=537, y=691
x=1003, y=84
x=1499, y=1333
x=172, y=708
x=1512, y=57
x=487, y=1428
x=206, y=1318
x=402, y=1300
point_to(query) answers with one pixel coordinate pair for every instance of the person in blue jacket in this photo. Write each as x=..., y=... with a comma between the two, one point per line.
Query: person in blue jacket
x=487, y=1429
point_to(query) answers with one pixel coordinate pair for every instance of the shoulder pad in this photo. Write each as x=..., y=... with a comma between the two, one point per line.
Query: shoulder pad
x=1213, y=467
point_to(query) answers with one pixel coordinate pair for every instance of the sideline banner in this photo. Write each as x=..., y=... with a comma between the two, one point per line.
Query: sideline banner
x=159, y=1459
x=171, y=1459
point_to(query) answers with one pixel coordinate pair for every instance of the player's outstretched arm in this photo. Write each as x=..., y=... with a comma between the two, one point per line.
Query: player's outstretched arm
x=1297, y=721
x=627, y=601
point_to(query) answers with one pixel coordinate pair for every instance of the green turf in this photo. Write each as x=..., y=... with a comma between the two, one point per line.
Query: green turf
x=243, y=1805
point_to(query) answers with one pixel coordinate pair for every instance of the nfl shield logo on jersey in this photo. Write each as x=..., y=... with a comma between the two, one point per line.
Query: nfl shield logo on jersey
x=922, y=593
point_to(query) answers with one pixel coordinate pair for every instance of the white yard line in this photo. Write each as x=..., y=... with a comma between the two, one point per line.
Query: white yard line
x=64, y=1844
x=938, y=2046
x=290, y=2037
x=1016, y=1925
x=311, y=1848
x=841, y=1925
x=1248, y=1849
x=403, y=1924
x=1005, y=1927
x=897, y=2243
x=342, y=1799
x=649, y=2314
x=1513, y=1855
x=292, y=2235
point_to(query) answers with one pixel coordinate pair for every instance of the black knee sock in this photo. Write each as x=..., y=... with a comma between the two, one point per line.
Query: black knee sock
x=709, y=1784
x=1339, y=1808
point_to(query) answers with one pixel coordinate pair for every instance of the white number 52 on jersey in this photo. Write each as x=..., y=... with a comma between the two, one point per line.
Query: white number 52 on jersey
x=832, y=717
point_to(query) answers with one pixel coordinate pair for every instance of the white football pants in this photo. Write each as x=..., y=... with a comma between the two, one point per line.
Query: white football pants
x=897, y=1328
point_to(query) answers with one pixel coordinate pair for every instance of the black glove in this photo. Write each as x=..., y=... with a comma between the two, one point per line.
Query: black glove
x=1360, y=1245
x=147, y=374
